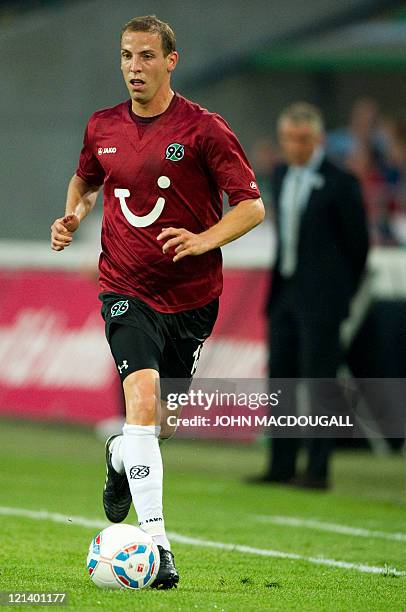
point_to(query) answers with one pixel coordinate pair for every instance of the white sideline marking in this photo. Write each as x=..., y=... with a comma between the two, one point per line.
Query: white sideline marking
x=43, y=515
x=292, y=521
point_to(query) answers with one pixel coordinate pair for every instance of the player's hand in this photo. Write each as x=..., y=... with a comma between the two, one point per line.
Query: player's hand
x=183, y=243
x=62, y=230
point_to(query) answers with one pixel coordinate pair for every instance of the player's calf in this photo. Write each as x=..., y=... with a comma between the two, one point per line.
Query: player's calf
x=168, y=429
x=141, y=453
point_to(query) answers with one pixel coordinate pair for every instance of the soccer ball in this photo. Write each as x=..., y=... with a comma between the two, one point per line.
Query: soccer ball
x=123, y=556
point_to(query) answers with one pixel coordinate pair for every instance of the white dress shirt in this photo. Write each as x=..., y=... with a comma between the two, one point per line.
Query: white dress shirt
x=295, y=192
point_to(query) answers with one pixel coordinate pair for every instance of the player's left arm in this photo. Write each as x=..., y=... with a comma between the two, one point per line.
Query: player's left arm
x=238, y=221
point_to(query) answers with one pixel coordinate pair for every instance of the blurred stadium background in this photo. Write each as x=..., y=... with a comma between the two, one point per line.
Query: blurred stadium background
x=247, y=61
x=60, y=63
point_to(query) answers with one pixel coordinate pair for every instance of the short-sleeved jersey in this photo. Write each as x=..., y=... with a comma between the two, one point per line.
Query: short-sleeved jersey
x=173, y=176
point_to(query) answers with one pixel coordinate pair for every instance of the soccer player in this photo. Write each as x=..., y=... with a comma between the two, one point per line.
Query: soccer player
x=163, y=162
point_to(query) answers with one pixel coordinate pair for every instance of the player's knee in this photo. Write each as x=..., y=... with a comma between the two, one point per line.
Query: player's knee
x=141, y=398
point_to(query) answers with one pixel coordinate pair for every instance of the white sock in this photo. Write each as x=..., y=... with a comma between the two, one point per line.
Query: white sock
x=162, y=540
x=116, y=449
x=143, y=466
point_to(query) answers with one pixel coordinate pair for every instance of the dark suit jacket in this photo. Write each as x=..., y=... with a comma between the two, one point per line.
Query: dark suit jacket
x=332, y=244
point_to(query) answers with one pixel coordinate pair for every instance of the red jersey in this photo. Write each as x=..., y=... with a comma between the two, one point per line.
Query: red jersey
x=173, y=176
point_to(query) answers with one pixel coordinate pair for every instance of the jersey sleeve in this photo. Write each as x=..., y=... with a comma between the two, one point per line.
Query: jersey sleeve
x=89, y=168
x=227, y=162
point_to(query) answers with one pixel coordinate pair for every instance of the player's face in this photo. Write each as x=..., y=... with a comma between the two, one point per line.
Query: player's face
x=298, y=141
x=145, y=69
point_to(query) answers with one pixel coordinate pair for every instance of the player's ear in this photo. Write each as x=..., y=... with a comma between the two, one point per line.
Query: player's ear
x=172, y=60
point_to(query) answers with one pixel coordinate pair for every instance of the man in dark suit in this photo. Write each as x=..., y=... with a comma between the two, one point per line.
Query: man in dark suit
x=322, y=249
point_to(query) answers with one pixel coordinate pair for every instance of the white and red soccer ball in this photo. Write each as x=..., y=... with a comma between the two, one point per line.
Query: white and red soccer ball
x=123, y=556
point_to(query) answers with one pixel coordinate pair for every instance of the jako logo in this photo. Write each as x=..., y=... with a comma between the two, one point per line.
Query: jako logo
x=139, y=471
x=101, y=150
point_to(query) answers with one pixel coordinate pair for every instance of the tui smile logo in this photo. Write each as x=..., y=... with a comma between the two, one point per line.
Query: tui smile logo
x=175, y=152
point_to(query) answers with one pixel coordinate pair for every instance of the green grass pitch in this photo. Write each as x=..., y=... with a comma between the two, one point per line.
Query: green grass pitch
x=61, y=470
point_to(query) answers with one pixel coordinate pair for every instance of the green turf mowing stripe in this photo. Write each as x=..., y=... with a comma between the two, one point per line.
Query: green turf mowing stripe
x=80, y=521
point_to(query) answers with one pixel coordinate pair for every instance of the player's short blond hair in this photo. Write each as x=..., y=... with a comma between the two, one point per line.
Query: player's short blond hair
x=151, y=23
x=303, y=112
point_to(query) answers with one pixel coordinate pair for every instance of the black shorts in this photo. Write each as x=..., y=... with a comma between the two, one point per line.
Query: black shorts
x=140, y=338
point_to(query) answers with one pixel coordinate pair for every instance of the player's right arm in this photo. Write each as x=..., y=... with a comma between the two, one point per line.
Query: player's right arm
x=82, y=191
x=80, y=200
